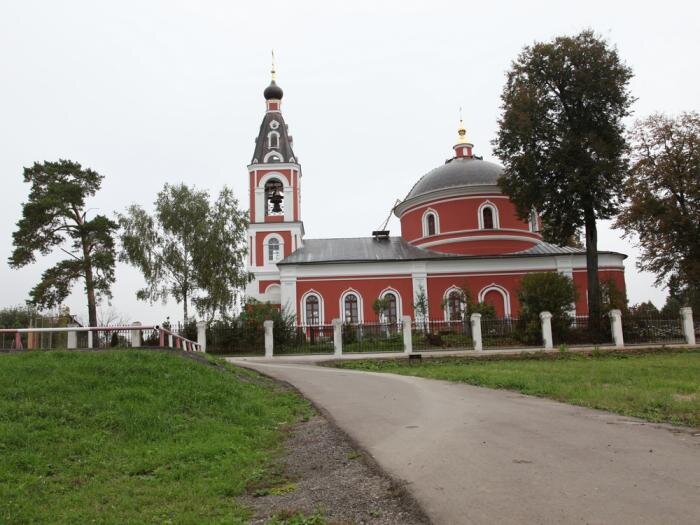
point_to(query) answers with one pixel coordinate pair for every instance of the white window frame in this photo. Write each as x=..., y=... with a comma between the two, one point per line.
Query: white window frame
x=399, y=305
x=276, y=136
x=360, y=305
x=493, y=287
x=266, y=250
x=302, y=305
x=424, y=221
x=445, y=298
x=494, y=214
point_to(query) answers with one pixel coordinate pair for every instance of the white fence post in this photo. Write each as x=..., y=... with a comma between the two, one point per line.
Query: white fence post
x=269, y=341
x=89, y=339
x=337, y=337
x=202, y=336
x=688, y=326
x=475, y=320
x=407, y=334
x=616, y=328
x=135, y=336
x=546, y=320
x=72, y=340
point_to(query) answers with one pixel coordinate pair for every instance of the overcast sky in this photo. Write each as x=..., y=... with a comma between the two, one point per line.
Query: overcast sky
x=149, y=92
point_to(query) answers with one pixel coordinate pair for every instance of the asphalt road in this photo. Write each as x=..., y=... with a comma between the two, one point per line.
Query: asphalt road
x=476, y=455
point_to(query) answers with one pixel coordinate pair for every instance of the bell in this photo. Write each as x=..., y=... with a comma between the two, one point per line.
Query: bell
x=276, y=200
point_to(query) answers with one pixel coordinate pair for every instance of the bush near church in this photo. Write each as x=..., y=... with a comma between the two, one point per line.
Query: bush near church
x=545, y=292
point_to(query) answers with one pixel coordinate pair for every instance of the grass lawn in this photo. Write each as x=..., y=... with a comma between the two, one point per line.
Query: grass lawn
x=134, y=437
x=661, y=387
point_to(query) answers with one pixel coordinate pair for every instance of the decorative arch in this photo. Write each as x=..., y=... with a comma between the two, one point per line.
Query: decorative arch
x=267, y=250
x=273, y=175
x=448, y=309
x=493, y=287
x=273, y=139
x=397, y=295
x=303, y=308
x=360, y=308
x=426, y=222
x=496, y=223
x=273, y=294
x=273, y=155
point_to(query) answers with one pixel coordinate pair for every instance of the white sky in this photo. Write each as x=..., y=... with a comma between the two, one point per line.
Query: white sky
x=149, y=92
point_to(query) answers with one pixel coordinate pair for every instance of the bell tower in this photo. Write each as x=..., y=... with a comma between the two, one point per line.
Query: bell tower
x=275, y=229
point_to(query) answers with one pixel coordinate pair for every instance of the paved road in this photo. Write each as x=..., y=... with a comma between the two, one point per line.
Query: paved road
x=476, y=455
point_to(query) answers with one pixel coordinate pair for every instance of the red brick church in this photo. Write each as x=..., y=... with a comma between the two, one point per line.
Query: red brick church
x=458, y=231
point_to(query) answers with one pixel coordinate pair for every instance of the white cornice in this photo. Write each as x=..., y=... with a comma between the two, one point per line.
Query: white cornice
x=274, y=166
x=481, y=238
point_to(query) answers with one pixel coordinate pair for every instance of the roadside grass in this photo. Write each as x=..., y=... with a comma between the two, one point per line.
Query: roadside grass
x=661, y=387
x=134, y=437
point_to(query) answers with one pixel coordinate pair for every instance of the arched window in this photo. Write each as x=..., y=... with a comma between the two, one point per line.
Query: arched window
x=487, y=218
x=455, y=306
x=273, y=250
x=312, y=310
x=430, y=222
x=274, y=197
x=391, y=312
x=273, y=140
x=352, y=312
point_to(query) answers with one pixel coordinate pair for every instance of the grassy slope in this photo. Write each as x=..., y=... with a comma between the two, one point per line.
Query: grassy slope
x=657, y=387
x=132, y=437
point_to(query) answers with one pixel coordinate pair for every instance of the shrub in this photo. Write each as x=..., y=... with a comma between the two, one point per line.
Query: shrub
x=548, y=291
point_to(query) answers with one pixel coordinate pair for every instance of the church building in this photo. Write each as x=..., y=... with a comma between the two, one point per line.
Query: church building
x=458, y=231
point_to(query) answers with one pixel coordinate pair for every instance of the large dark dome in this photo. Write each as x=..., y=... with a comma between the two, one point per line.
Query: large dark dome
x=457, y=173
x=273, y=91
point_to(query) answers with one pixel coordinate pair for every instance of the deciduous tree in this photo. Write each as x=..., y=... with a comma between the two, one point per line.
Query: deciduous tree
x=663, y=199
x=562, y=142
x=56, y=217
x=189, y=249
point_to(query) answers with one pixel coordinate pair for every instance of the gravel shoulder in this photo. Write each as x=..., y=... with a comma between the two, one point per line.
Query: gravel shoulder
x=323, y=471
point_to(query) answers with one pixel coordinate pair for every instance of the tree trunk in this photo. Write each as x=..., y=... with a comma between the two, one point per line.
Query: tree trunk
x=90, y=289
x=592, y=271
x=184, y=306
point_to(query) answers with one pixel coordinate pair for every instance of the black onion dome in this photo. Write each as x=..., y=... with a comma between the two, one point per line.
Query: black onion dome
x=273, y=92
x=457, y=173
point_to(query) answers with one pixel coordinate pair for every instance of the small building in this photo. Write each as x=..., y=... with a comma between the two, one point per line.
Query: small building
x=458, y=232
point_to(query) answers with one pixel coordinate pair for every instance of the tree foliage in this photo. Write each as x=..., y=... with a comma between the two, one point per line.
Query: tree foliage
x=561, y=139
x=546, y=292
x=190, y=249
x=663, y=192
x=56, y=217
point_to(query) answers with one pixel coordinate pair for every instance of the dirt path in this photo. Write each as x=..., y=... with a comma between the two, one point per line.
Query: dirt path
x=324, y=471
x=475, y=455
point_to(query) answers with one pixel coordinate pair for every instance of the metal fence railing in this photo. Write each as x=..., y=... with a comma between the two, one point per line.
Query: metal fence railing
x=439, y=334
x=573, y=331
x=372, y=337
x=509, y=332
x=305, y=340
x=642, y=330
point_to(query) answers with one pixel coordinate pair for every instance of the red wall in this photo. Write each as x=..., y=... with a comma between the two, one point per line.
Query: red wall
x=455, y=216
x=368, y=288
x=260, y=245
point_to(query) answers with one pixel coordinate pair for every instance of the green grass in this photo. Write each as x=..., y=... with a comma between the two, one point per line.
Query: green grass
x=134, y=437
x=661, y=387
